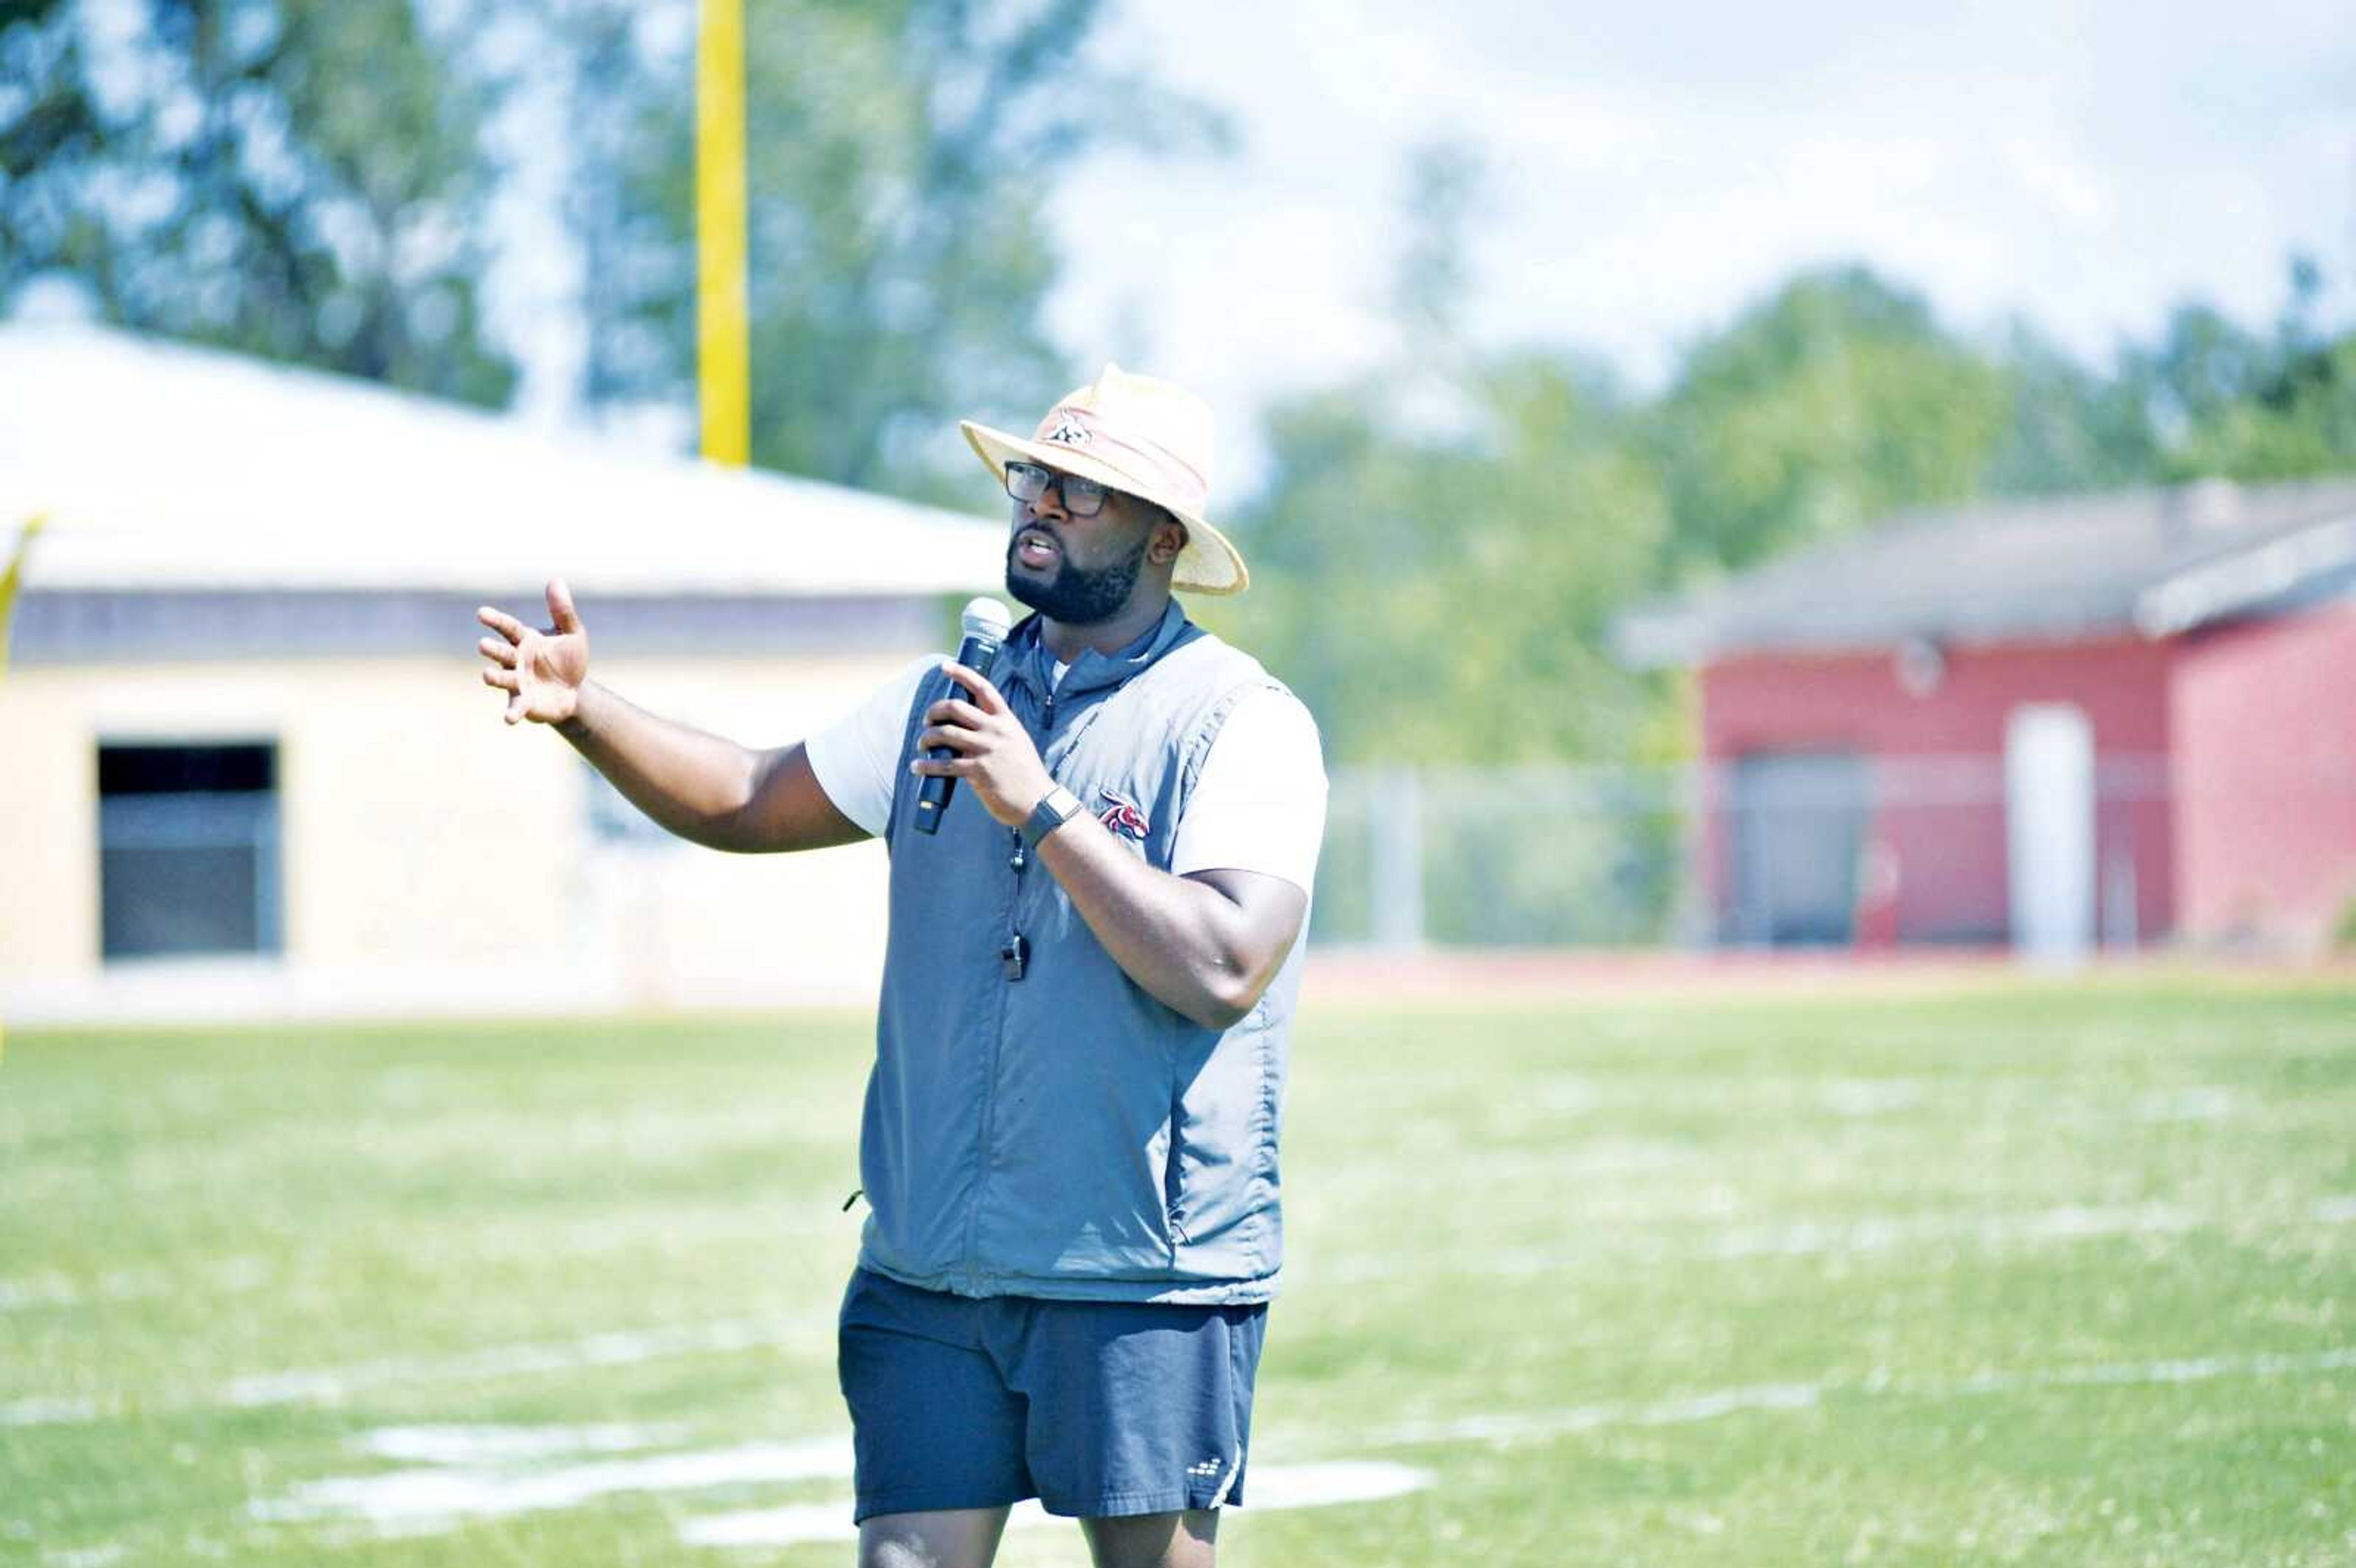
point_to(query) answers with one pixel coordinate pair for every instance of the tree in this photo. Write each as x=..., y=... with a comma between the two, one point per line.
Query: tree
x=902, y=159
x=606, y=84
x=1451, y=528
x=1443, y=189
x=2250, y=407
x=1406, y=585
x=2298, y=423
x=2067, y=428
x=49, y=135
x=1836, y=401
x=296, y=178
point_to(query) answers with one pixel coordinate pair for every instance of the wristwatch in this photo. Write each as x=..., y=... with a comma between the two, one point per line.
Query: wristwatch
x=1056, y=807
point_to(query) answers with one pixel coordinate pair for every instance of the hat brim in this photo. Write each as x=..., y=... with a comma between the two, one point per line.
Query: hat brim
x=1209, y=563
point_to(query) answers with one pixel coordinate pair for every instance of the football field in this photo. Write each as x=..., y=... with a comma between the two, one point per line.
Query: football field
x=2019, y=1271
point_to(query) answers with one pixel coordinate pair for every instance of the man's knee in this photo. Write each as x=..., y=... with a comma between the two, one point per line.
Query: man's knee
x=951, y=1538
x=1188, y=1540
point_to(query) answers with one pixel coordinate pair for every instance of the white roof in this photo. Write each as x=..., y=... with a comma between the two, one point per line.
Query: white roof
x=161, y=466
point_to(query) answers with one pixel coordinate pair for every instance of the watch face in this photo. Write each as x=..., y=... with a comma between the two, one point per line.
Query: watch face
x=1058, y=807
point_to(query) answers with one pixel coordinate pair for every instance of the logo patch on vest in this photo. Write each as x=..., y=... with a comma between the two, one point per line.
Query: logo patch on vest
x=1069, y=431
x=1123, y=815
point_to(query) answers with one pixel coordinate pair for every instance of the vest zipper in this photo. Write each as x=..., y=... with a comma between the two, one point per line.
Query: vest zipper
x=998, y=1035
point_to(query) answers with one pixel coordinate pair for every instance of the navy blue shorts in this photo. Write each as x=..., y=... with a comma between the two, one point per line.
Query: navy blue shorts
x=1095, y=1408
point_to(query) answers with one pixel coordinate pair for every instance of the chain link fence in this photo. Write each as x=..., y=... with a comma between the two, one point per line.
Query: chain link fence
x=1826, y=850
x=1540, y=855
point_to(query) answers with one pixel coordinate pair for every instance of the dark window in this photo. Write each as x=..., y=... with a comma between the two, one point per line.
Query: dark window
x=187, y=849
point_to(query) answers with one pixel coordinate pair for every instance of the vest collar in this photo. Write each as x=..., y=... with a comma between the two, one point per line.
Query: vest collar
x=1034, y=665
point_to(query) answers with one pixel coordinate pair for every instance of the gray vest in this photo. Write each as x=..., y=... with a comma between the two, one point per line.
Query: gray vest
x=1064, y=1134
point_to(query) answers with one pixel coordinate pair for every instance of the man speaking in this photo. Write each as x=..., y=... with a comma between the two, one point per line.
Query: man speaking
x=1069, y=1147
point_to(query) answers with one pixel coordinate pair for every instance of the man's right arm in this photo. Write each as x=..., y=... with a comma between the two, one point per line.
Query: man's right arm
x=702, y=787
x=706, y=789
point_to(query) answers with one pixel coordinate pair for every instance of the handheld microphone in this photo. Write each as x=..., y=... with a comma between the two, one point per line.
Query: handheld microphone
x=984, y=624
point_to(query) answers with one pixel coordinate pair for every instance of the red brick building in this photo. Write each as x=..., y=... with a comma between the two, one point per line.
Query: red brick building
x=2115, y=719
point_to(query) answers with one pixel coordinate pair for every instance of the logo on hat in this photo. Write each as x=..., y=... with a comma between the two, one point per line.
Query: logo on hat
x=1069, y=431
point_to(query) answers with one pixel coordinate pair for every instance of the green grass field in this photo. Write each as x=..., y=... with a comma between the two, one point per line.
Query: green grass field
x=2031, y=1273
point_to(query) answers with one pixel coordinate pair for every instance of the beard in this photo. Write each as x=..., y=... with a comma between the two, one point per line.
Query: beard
x=1076, y=595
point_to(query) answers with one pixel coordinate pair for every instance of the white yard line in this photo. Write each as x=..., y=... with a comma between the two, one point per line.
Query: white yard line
x=498, y=1482
x=39, y=1290
x=616, y=1348
x=2193, y=1370
x=795, y=1523
x=1502, y=1427
x=2192, y=1102
x=331, y=1385
x=1871, y=1234
x=231, y=1276
x=1275, y=1487
x=43, y=1411
x=474, y=1473
x=1506, y=1427
x=443, y=1496
x=82, y=1557
x=1616, y=1243
x=1870, y=1096
x=454, y=1445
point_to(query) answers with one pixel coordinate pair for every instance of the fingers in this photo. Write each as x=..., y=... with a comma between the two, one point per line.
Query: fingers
x=985, y=696
x=503, y=679
x=514, y=713
x=956, y=738
x=560, y=613
x=497, y=652
x=950, y=710
x=499, y=621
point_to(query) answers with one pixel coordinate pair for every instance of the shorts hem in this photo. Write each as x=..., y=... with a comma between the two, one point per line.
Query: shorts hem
x=1127, y=1505
x=937, y=1500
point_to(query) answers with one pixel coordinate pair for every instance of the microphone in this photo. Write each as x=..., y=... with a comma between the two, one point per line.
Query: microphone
x=984, y=623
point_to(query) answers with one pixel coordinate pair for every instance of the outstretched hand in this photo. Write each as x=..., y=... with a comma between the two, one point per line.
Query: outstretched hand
x=542, y=672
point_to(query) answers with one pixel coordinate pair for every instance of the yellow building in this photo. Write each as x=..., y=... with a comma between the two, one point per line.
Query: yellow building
x=247, y=764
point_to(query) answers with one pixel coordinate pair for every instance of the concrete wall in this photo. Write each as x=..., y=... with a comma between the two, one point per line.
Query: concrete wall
x=2265, y=716
x=434, y=860
x=1936, y=765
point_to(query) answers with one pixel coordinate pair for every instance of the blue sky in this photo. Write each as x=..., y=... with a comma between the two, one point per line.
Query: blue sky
x=2084, y=163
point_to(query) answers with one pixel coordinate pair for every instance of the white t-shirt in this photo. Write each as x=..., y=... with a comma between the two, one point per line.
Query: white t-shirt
x=1259, y=804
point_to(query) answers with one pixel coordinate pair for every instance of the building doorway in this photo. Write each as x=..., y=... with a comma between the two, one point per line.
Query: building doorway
x=2049, y=816
x=1799, y=821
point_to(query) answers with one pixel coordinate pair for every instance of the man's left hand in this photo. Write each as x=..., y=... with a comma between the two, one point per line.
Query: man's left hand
x=994, y=756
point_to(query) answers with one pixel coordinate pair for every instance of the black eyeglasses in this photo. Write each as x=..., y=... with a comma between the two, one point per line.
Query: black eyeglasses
x=1082, y=497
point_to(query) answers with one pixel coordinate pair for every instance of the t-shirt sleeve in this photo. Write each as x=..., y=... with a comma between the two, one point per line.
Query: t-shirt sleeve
x=1259, y=804
x=857, y=758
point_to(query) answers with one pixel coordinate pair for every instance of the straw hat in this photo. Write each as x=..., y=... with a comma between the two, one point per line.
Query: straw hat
x=1148, y=438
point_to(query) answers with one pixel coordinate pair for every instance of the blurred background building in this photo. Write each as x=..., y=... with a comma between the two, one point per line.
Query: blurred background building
x=250, y=769
x=2117, y=719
